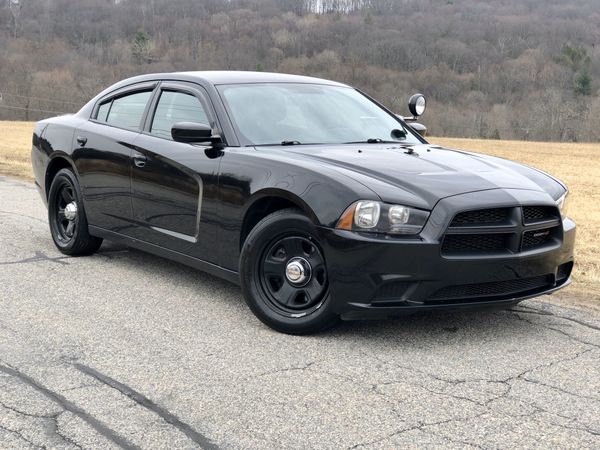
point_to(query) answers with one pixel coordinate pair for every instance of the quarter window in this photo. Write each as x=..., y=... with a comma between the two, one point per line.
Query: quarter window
x=174, y=107
x=126, y=111
x=103, y=111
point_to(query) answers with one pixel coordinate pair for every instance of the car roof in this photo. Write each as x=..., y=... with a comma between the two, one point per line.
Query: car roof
x=216, y=77
x=239, y=76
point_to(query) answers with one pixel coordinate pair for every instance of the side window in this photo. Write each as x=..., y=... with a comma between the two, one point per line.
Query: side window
x=103, y=111
x=126, y=111
x=174, y=107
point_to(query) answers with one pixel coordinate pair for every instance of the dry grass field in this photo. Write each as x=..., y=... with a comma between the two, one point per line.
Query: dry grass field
x=15, y=148
x=578, y=165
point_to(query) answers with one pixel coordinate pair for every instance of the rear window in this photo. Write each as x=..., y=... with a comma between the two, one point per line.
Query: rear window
x=126, y=111
x=103, y=111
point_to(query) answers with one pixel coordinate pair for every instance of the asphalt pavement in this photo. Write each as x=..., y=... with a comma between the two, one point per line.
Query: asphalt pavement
x=126, y=350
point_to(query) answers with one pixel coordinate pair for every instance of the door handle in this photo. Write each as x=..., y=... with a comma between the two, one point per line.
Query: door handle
x=139, y=160
x=81, y=140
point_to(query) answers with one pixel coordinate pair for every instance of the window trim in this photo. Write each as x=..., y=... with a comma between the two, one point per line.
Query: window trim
x=100, y=105
x=123, y=92
x=159, y=95
x=187, y=88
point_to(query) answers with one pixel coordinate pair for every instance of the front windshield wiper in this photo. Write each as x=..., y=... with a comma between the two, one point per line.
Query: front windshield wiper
x=285, y=143
x=374, y=141
x=397, y=134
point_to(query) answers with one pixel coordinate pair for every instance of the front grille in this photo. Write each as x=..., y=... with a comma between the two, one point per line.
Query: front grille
x=536, y=238
x=481, y=216
x=532, y=214
x=502, y=230
x=465, y=243
x=496, y=289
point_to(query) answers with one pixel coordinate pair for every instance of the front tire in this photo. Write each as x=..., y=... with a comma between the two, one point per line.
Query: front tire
x=66, y=216
x=284, y=276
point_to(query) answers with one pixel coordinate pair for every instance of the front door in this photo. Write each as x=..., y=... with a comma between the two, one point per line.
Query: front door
x=174, y=186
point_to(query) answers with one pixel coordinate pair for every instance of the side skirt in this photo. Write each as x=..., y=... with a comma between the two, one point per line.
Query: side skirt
x=157, y=250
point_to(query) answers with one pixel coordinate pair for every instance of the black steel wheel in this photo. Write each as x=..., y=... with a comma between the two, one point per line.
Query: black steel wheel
x=66, y=216
x=283, y=274
x=293, y=274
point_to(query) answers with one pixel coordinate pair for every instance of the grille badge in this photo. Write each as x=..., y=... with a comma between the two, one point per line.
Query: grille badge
x=541, y=233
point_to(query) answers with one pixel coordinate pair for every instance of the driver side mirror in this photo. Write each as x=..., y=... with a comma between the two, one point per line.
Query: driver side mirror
x=194, y=133
x=419, y=128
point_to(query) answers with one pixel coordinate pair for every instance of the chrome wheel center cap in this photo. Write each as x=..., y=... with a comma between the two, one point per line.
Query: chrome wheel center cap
x=71, y=211
x=297, y=271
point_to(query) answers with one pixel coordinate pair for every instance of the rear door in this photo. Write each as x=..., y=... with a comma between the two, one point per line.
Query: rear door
x=104, y=147
x=174, y=185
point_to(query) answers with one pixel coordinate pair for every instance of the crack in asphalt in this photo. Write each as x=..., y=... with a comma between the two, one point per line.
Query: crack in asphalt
x=67, y=405
x=82, y=386
x=56, y=431
x=25, y=413
x=539, y=312
x=547, y=365
x=570, y=419
x=584, y=429
x=288, y=369
x=19, y=434
x=455, y=441
x=506, y=381
x=373, y=388
x=39, y=256
x=393, y=405
x=559, y=389
x=548, y=327
x=11, y=213
x=52, y=417
x=369, y=387
x=419, y=427
x=145, y=402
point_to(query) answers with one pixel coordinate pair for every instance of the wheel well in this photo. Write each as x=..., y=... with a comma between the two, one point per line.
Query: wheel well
x=261, y=209
x=55, y=165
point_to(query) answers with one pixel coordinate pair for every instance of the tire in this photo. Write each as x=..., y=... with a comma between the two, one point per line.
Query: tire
x=66, y=216
x=282, y=245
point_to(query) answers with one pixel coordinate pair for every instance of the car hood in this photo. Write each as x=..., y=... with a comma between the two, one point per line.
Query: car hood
x=426, y=175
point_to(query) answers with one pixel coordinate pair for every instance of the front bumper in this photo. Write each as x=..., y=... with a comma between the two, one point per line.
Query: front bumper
x=377, y=277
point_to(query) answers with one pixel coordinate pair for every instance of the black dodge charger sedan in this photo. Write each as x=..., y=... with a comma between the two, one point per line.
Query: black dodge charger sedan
x=318, y=200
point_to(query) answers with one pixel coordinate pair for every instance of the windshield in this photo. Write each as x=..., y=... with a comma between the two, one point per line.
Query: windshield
x=294, y=113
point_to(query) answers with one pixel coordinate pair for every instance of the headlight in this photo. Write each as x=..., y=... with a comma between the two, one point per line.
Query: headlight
x=562, y=204
x=366, y=214
x=378, y=217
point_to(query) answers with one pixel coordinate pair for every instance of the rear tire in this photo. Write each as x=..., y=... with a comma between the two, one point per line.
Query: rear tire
x=66, y=216
x=284, y=276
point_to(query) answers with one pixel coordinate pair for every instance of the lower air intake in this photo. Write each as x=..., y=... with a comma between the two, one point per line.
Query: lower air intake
x=495, y=289
x=467, y=243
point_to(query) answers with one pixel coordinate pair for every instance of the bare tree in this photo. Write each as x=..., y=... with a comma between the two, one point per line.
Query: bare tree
x=515, y=69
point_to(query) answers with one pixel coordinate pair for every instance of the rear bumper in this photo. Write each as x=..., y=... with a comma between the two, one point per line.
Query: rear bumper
x=377, y=277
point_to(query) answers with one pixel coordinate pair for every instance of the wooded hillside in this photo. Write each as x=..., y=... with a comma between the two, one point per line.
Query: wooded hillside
x=511, y=69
